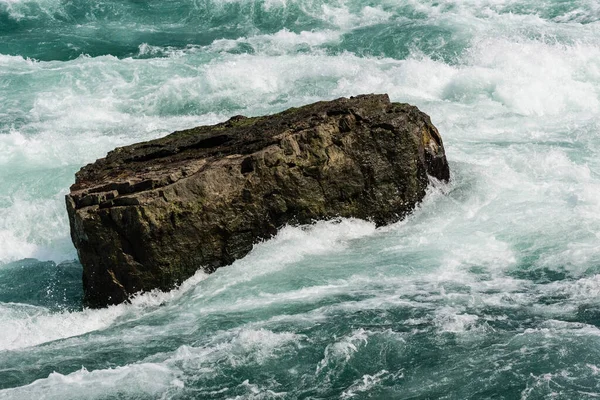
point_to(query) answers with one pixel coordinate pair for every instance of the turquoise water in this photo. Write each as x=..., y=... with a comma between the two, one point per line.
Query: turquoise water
x=490, y=290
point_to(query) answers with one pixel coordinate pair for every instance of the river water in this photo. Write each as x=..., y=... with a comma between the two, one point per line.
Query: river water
x=490, y=290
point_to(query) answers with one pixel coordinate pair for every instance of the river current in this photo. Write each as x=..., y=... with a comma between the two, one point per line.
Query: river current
x=489, y=290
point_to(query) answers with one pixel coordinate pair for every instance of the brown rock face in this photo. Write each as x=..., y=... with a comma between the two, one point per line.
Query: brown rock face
x=149, y=215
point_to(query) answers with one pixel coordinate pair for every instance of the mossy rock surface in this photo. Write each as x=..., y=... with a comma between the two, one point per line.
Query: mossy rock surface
x=151, y=214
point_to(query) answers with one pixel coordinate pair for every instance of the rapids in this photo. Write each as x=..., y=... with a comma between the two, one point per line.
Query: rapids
x=491, y=289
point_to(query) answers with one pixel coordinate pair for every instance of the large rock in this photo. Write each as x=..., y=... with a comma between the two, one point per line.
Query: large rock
x=150, y=215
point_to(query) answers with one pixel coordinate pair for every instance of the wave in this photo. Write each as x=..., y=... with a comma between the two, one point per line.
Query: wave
x=280, y=303
x=83, y=108
x=29, y=325
x=492, y=279
x=54, y=30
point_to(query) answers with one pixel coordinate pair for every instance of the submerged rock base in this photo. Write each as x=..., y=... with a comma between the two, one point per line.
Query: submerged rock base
x=151, y=214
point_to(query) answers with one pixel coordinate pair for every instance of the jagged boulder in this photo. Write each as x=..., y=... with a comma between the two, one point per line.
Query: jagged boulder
x=151, y=214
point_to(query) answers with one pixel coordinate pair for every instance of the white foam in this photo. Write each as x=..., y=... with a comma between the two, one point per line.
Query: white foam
x=544, y=79
x=24, y=325
x=518, y=114
x=368, y=382
x=345, y=19
x=257, y=392
x=33, y=228
x=28, y=9
x=282, y=42
x=104, y=102
x=290, y=245
x=146, y=379
x=69, y=123
x=14, y=248
x=342, y=351
x=449, y=319
x=235, y=347
x=584, y=290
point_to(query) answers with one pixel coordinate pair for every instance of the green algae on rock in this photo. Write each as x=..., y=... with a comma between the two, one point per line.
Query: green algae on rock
x=151, y=214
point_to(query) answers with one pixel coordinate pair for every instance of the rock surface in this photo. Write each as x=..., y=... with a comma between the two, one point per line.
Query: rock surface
x=150, y=215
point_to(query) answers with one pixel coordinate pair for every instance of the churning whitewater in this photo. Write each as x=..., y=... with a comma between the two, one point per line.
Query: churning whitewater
x=491, y=289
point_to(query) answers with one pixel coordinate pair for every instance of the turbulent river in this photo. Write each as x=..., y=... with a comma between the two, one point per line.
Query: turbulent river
x=490, y=290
